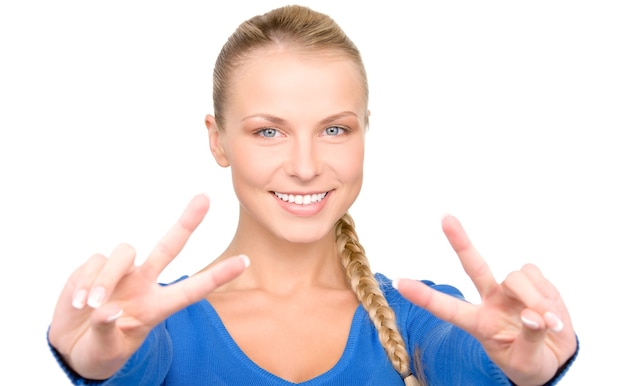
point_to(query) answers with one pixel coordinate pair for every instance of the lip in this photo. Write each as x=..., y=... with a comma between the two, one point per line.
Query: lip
x=311, y=203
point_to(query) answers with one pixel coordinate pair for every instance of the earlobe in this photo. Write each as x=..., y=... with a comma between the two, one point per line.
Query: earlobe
x=215, y=141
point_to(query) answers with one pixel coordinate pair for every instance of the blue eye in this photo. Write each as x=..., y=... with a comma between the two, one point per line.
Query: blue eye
x=267, y=132
x=334, y=130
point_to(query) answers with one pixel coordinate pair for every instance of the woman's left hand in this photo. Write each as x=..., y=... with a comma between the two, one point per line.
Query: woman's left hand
x=522, y=323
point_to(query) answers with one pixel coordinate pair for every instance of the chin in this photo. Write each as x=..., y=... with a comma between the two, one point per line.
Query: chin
x=305, y=234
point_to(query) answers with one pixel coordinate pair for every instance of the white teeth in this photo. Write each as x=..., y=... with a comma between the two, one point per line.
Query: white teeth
x=300, y=199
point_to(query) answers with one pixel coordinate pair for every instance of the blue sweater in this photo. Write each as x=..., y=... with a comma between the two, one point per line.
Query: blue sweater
x=192, y=347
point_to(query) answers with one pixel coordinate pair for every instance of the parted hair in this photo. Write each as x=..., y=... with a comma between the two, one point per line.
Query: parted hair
x=303, y=30
x=296, y=28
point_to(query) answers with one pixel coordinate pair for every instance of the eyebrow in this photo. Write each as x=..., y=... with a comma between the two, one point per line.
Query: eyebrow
x=267, y=117
x=280, y=121
x=335, y=117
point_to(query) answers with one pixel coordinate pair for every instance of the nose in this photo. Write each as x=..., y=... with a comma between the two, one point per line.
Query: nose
x=304, y=161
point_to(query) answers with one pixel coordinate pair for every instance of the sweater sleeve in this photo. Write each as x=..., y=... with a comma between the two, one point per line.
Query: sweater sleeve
x=148, y=366
x=451, y=356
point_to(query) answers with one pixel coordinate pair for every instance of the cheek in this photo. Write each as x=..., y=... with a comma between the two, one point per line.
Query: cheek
x=252, y=164
x=350, y=163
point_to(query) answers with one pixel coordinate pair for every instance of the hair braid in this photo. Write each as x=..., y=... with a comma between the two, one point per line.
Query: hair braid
x=364, y=284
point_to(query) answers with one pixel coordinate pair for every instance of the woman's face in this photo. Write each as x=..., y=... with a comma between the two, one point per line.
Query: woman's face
x=293, y=135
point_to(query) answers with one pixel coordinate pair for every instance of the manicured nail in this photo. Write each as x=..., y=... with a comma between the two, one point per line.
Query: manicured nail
x=394, y=283
x=557, y=324
x=80, y=298
x=96, y=296
x=531, y=324
x=245, y=259
x=115, y=316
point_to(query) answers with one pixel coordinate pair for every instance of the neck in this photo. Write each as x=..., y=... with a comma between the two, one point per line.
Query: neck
x=283, y=267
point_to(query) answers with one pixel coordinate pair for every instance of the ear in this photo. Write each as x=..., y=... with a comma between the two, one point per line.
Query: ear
x=215, y=141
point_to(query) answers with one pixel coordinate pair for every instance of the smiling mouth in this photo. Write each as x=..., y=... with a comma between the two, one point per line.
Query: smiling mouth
x=301, y=199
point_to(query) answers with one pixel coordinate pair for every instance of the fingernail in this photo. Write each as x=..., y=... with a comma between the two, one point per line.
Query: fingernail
x=529, y=323
x=245, y=259
x=554, y=321
x=96, y=296
x=394, y=283
x=115, y=316
x=80, y=298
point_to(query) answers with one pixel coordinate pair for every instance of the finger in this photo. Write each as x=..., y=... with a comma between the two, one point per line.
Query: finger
x=118, y=264
x=70, y=310
x=519, y=286
x=443, y=306
x=182, y=294
x=530, y=345
x=175, y=239
x=473, y=263
x=532, y=321
x=529, y=289
x=543, y=285
x=82, y=279
x=554, y=304
x=553, y=321
x=104, y=317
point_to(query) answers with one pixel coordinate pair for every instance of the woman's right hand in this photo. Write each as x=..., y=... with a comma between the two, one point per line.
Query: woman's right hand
x=109, y=305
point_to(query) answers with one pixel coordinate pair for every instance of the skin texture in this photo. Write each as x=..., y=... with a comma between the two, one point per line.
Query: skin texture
x=294, y=124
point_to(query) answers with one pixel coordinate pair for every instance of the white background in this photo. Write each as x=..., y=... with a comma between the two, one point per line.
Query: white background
x=509, y=115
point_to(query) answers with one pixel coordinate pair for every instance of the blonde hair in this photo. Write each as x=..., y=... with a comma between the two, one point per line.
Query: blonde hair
x=298, y=28
x=365, y=285
x=306, y=31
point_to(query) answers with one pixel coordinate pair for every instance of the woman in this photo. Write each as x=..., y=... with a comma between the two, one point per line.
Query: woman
x=290, y=116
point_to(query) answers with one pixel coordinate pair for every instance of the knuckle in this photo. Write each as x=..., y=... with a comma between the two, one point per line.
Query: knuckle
x=164, y=249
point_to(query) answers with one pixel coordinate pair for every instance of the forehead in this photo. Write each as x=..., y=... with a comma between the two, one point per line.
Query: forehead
x=278, y=79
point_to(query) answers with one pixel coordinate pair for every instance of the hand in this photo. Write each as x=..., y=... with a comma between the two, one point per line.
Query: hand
x=522, y=322
x=109, y=305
